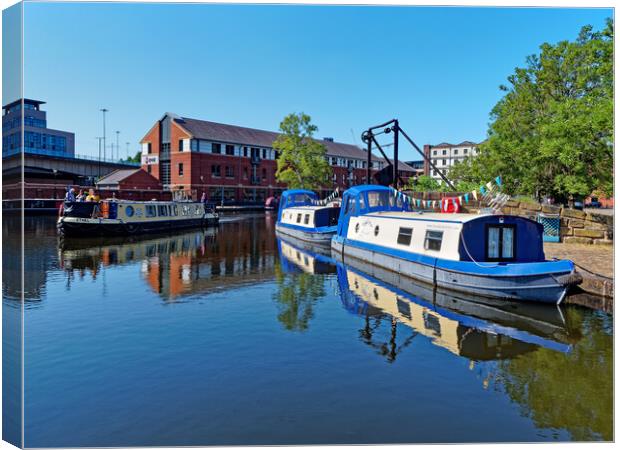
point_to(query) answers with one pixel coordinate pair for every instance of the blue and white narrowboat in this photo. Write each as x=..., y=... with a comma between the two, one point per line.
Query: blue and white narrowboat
x=487, y=255
x=299, y=216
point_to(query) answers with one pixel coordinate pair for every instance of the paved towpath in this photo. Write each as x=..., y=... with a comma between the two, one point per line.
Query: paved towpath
x=595, y=263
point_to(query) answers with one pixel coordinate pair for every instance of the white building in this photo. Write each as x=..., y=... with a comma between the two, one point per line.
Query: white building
x=445, y=155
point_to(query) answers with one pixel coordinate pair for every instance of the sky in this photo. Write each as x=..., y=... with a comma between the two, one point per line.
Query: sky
x=437, y=70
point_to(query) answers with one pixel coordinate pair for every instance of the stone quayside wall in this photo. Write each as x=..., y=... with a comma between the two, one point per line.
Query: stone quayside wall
x=577, y=227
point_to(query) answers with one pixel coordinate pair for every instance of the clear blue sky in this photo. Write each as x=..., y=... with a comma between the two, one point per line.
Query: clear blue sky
x=435, y=69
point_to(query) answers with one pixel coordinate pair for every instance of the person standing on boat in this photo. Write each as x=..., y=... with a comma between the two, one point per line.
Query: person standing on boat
x=80, y=197
x=70, y=197
x=92, y=196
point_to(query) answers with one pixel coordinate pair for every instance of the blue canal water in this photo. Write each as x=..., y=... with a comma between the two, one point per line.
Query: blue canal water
x=231, y=336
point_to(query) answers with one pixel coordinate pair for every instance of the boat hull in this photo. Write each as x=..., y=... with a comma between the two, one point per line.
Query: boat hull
x=317, y=237
x=78, y=227
x=539, y=287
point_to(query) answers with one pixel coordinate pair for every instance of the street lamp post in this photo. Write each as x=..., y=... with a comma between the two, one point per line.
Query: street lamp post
x=104, y=110
x=118, y=151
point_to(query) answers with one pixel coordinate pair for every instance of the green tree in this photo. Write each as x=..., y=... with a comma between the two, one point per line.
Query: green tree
x=552, y=132
x=424, y=183
x=302, y=161
x=136, y=158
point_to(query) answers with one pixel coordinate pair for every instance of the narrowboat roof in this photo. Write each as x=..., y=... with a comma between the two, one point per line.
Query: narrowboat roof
x=422, y=216
x=298, y=191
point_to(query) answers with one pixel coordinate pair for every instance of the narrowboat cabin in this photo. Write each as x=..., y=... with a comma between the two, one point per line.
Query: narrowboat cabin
x=122, y=218
x=300, y=217
x=488, y=255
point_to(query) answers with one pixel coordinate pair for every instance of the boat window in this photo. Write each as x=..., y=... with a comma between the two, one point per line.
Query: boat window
x=176, y=210
x=404, y=236
x=129, y=211
x=349, y=206
x=379, y=199
x=162, y=210
x=433, y=240
x=298, y=217
x=500, y=242
x=362, y=203
x=170, y=210
x=150, y=211
x=307, y=219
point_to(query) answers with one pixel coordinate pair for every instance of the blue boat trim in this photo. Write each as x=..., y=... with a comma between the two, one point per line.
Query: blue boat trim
x=317, y=230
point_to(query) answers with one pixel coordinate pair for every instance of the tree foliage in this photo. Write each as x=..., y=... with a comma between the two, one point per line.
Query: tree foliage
x=424, y=183
x=302, y=161
x=552, y=132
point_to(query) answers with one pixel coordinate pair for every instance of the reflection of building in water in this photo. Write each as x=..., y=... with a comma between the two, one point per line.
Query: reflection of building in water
x=443, y=327
x=238, y=252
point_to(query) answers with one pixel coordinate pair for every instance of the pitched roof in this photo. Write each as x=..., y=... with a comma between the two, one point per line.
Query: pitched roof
x=117, y=176
x=443, y=144
x=203, y=129
x=467, y=143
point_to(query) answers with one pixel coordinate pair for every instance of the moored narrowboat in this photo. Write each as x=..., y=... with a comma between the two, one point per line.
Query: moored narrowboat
x=122, y=218
x=300, y=217
x=490, y=255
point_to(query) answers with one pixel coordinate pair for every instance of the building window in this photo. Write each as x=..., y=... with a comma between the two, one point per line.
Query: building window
x=500, y=242
x=180, y=145
x=264, y=174
x=216, y=148
x=148, y=168
x=215, y=171
x=444, y=162
x=180, y=169
x=149, y=148
x=230, y=171
x=245, y=152
x=404, y=236
x=465, y=151
x=456, y=151
x=434, y=152
x=230, y=149
x=264, y=153
x=444, y=152
x=245, y=173
x=433, y=240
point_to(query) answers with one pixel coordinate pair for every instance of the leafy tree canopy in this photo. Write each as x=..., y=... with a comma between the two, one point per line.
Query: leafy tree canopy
x=552, y=132
x=302, y=161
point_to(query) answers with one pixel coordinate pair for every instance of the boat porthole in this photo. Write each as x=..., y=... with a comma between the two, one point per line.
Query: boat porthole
x=129, y=211
x=377, y=230
x=357, y=227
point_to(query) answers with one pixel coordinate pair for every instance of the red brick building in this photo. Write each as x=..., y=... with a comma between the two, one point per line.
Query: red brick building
x=129, y=179
x=235, y=163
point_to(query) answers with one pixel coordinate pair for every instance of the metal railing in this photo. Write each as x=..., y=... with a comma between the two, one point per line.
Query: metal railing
x=59, y=154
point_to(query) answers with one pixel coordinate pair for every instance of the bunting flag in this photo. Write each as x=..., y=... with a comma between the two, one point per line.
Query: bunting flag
x=466, y=198
x=498, y=181
x=475, y=194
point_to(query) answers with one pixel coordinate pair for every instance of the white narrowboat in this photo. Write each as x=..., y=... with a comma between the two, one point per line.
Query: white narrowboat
x=122, y=218
x=488, y=255
x=301, y=218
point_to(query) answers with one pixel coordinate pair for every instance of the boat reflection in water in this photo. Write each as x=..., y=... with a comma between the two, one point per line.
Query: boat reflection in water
x=468, y=327
x=194, y=262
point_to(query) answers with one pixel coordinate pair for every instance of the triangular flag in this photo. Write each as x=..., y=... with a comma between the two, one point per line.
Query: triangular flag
x=475, y=194
x=482, y=191
x=498, y=181
x=466, y=198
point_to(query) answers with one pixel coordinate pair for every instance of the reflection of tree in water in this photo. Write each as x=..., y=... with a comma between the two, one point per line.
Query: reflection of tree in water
x=296, y=296
x=567, y=391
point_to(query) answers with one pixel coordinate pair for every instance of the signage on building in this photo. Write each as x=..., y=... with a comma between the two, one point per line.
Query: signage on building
x=150, y=159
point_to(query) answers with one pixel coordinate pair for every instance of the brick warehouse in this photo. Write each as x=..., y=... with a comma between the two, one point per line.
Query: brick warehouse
x=234, y=163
